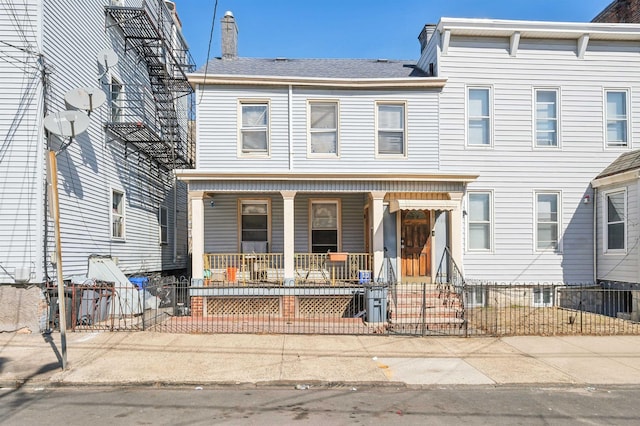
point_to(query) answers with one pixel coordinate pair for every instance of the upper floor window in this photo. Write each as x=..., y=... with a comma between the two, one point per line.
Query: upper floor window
x=116, y=100
x=391, y=129
x=254, y=128
x=615, y=209
x=325, y=226
x=323, y=128
x=117, y=215
x=547, y=220
x=163, y=224
x=617, y=118
x=479, y=221
x=479, y=116
x=546, y=117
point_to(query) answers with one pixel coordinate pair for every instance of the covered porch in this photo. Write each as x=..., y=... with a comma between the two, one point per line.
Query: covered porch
x=301, y=229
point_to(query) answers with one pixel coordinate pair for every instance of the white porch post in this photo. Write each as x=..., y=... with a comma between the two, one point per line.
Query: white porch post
x=456, y=229
x=288, y=198
x=197, y=234
x=377, y=214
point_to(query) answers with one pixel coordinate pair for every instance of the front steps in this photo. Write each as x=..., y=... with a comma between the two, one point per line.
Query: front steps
x=425, y=309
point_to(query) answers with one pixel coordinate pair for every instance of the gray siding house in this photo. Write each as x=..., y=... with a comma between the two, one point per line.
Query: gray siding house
x=118, y=195
x=484, y=149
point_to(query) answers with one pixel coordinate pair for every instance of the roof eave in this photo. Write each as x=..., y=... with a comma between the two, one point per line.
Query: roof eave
x=364, y=83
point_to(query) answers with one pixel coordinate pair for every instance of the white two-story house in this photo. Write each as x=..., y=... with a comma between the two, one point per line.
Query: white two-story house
x=482, y=151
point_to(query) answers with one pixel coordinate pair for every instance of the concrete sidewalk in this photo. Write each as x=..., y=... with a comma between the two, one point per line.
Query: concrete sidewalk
x=145, y=358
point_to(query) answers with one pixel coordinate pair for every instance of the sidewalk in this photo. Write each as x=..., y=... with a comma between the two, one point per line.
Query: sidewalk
x=145, y=358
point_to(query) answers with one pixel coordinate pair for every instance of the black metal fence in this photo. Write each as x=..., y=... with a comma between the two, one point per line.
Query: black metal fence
x=464, y=309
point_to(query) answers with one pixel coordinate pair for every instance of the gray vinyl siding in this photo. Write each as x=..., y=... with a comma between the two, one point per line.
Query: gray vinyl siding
x=21, y=154
x=218, y=130
x=624, y=266
x=513, y=168
x=430, y=54
x=95, y=162
x=222, y=227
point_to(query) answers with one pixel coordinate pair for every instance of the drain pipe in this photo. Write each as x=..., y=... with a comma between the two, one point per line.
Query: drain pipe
x=290, y=106
x=595, y=236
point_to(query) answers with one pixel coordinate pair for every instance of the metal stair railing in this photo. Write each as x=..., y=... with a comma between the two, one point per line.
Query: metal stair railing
x=450, y=281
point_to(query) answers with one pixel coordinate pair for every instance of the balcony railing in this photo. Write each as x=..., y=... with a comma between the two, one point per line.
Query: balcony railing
x=259, y=269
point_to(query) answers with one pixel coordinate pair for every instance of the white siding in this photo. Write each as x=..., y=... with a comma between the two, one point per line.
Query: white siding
x=73, y=32
x=218, y=130
x=21, y=154
x=622, y=267
x=513, y=168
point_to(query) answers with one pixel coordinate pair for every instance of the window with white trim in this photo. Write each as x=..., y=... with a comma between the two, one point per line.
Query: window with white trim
x=547, y=220
x=325, y=226
x=479, y=116
x=117, y=215
x=116, y=96
x=479, y=221
x=476, y=296
x=391, y=138
x=546, y=112
x=542, y=297
x=163, y=224
x=323, y=127
x=617, y=118
x=254, y=128
x=254, y=226
x=616, y=221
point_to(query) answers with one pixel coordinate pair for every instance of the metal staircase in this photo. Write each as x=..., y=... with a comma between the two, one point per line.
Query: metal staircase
x=151, y=30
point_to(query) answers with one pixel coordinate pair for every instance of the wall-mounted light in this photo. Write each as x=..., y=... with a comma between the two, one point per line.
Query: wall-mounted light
x=586, y=199
x=212, y=203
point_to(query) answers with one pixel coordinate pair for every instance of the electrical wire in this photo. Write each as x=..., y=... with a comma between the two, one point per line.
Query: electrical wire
x=206, y=66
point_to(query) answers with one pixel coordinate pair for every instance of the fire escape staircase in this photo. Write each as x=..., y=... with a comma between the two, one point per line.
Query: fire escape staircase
x=147, y=30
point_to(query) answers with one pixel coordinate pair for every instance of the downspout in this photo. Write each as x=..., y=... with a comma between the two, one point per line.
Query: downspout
x=290, y=106
x=595, y=235
x=175, y=218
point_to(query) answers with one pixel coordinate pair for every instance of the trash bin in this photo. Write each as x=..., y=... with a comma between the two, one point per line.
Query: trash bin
x=376, y=299
x=54, y=312
x=364, y=277
x=140, y=282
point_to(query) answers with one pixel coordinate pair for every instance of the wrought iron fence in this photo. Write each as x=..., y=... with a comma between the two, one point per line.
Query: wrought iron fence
x=104, y=306
x=358, y=307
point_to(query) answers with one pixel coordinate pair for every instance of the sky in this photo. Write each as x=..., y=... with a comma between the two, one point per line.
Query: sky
x=355, y=29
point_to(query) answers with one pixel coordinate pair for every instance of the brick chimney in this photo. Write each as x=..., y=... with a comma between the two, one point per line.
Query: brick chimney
x=229, y=36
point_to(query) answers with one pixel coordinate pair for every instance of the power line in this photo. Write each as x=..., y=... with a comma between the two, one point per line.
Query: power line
x=206, y=66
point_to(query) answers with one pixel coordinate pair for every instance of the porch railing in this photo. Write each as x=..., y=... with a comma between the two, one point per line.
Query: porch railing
x=268, y=268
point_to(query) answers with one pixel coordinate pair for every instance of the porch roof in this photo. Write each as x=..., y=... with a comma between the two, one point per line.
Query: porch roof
x=208, y=181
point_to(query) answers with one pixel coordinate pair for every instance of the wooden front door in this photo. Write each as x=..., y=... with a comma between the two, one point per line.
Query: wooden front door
x=415, y=245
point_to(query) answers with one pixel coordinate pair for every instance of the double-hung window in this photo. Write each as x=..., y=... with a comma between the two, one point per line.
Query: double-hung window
x=547, y=220
x=325, y=226
x=254, y=226
x=116, y=99
x=163, y=224
x=254, y=128
x=323, y=128
x=117, y=215
x=479, y=116
x=391, y=135
x=617, y=118
x=616, y=214
x=479, y=221
x=546, y=111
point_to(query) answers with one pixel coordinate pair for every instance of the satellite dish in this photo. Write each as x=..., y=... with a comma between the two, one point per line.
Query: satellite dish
x=66, y=123
x=85, y=98
x=107, y=58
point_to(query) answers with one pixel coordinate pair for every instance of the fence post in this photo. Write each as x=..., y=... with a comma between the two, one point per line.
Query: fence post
x=424, y=308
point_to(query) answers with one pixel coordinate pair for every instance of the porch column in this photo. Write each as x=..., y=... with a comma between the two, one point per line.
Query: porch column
x=289, y=236
x=456, y=229
x=377, y=215
x=197, y=234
